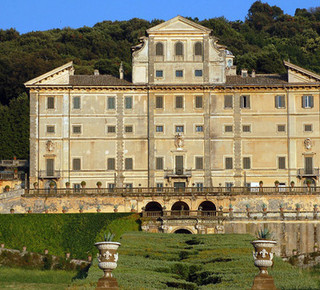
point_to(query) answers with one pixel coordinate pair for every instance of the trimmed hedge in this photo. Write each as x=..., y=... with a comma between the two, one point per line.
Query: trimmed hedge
x=61, y=233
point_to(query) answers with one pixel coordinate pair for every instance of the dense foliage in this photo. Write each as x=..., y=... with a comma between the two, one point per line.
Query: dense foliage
x=260, y=42
x=61, y=233
x=164, y=261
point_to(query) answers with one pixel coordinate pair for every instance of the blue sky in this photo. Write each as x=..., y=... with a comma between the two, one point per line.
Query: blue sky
x=33, y=15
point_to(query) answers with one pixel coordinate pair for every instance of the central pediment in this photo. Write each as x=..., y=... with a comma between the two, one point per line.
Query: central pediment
x=179, y=24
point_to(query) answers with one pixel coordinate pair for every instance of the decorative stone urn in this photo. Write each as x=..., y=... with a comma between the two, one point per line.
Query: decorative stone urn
x=108, y=258
x=263, y=257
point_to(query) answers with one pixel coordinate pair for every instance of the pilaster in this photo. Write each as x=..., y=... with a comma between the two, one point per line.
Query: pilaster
x=207, y=155
x=120, y=142
x=237, y=139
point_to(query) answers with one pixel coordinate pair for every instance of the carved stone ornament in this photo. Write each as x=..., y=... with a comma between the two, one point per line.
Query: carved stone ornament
x=308, y=143
x=179, y=142
x=50, y=146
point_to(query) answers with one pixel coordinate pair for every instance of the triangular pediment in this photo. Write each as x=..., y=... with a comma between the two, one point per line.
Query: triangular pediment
x=297, y=74
x=178, y=24
x=57, y=76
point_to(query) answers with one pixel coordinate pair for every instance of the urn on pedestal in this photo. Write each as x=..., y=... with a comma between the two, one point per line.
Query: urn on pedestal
x=108, y=258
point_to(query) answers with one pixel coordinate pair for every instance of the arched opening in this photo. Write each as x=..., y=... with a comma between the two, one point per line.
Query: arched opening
x=310, y=183
x=180, y=208
x=183, y=231
x=50, y=182
x=207, y=208
x=153, y=206
x=198, y=48
x=159, y=48
x=179, y=48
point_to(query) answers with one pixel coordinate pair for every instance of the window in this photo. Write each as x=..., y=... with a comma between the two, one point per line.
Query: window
x=198, y=73
x=308, y=128
x=246, y=128
x=159, y=129
x=128, y=129
x=76, y=164
x=50, y=129
x=77, y=187
x=280, y=102
x=76, y=129
x=229, y=185
x=159, y=102
x=159, y=73
x=128, y=163
x=307, y=101
x=246, y=163
x=198, y=48
x=159, y=163
x=199, y=102
x=111, y=164
x=50, y=103
x=179, y=129
x=128, y=185
x=228, y=102
x=159, y=48
x=111, y=103
x=50, y=167
x=111, y=185
x=282, y=162
x=199, y=185
x=159, y=186
x=199, y=162
x=111, y=129
x=179, y=102
x=281, y=128
x=245, y=102
x=128, y=102
x=179, y=73
x=228, y=128
x=76, y=102
x=228, y=163
x=179, y=48
x=199, y=128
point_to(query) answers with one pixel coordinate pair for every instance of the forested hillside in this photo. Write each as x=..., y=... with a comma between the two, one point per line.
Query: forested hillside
x=260, y=42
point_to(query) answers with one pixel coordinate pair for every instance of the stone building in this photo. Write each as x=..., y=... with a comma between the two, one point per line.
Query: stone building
x=186, y=120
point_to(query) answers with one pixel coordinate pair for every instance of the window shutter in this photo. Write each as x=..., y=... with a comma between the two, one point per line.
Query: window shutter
x=159, y=48
x=128, y=163
x=282, y=163
x=228, y=163
x=179, y=48
x=242, y=102
x=276, y=101
x=246, y=163
x=311, y=101
x=50, y=103
x=199, y=102
x=76, y=164
x=159, y=102
x=248, y=102
x=198, y=48
x=111, y=103
x=159, y=163
x=283, y=102
x=228, y=102
x=179, y=102
x=199, y=162
x=111, y=163
x=303, y=101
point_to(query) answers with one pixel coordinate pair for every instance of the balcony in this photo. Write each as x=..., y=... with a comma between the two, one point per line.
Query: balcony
x=50, y=174
x=13, y=163
x=178, y=173
x=312, y=172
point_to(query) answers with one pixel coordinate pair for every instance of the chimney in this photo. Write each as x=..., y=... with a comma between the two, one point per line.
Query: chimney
x=96, y=72
x=253, y=74
x=121, y=71
x=244, y=73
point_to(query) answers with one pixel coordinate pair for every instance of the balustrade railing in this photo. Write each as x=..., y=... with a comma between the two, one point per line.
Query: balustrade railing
x=171, y=191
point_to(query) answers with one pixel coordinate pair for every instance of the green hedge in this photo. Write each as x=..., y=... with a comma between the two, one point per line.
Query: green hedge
x=61, y=233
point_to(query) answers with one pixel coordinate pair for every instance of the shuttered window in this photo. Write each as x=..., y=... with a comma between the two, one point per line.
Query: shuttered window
x=228, y=128
x=128, y=163
x=128, y=102
x=111, y=103
x=50, y=167
x=159, y=102
x=76, y=102
x=199, y=102
x=282, y=162
x=111, y=164
x=50, y=103
x=307, y=101
x=246, y=163
x=228, y=162
x=198, y=48
x=228, y=102
x=76, y=164
x=308, y=165
x=159, y=48
x=245, y=102
x=179, y=48
x=179, y=102
x=159, y=163
x=280, y=102
x=199, y=162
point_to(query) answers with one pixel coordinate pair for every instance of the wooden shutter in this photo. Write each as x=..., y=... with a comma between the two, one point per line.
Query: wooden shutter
x=111, y=163
x=229, y=163
x=179, y=102
x=50, y=167
x=50, y=103
x=179, y=164
x=76, y=164
x=199, y=162
x=246, y=163
x=199, y=102
x=308, y=165
x=111, y=103
x=128, y=163
x=159, y=102
x=159, y=163
x=159, y=48
x=282, y=163
x=311, y=101
x=198, y=48
x=228, y=101
x=179, y=48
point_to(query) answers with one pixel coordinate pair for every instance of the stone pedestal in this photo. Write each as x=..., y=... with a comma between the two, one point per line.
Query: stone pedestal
x=107, y=283
x=263, y=282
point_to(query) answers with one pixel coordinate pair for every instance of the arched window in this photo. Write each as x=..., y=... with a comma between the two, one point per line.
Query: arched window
x=198, y=48
x=159, y=48
x=179, y=48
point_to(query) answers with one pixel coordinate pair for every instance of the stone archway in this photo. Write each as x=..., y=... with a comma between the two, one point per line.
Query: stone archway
x=180, y=208
x=207, y=208
x=153, y=208
x=183, y=231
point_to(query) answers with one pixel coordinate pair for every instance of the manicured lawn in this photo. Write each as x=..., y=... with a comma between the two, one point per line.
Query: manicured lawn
x=162, y=261
x=16, y=278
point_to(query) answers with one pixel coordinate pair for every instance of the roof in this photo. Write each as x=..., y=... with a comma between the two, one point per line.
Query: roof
x=97, y=80
x=301, y=70
x=257, y=80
